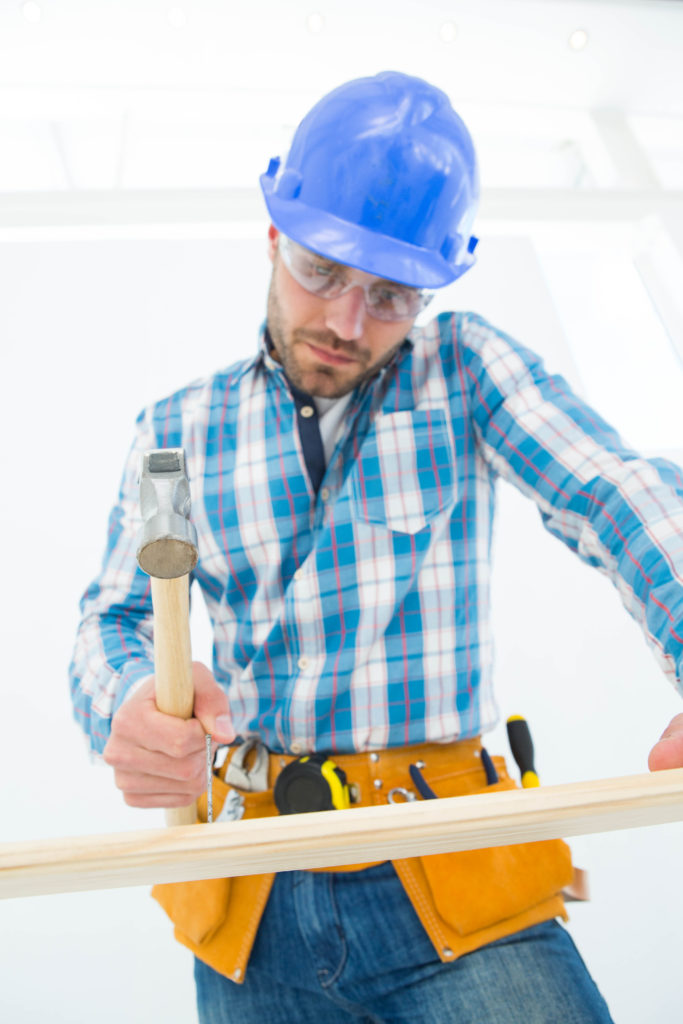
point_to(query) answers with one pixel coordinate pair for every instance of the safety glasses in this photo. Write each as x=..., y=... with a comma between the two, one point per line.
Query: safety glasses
x=384, y=300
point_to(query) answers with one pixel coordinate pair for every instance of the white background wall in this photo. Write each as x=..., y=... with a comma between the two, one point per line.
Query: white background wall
x=92, y=327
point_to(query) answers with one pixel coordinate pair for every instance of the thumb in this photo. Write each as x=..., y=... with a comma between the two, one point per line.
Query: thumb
x=668, y=752
x=211, y=704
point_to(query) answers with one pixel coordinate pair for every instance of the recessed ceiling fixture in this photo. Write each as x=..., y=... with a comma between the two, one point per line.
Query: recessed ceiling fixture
x=177, y=17
x=448, y=32
x=315, y=23
x=32, y=12
x=578, y=40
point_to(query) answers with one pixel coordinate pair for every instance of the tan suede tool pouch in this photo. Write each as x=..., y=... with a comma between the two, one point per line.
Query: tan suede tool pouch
x=464, y=900
x=218, y=918
x=468, y=899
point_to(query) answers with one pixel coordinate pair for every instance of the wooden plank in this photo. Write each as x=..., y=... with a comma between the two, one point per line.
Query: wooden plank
x=339, y=837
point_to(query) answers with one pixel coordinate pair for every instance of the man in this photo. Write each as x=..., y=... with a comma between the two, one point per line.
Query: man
x=342, y=488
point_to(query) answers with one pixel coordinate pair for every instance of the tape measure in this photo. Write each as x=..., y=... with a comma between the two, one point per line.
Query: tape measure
x=311, y=783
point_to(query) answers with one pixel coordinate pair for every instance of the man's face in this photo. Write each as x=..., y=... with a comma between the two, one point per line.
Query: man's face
x=326, y=346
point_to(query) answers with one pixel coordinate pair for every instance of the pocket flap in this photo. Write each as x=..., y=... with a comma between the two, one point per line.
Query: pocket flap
x=197, y=909
x=475, y=889
x=403, y=475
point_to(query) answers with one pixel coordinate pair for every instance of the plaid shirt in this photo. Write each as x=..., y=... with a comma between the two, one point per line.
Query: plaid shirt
x=355, y=614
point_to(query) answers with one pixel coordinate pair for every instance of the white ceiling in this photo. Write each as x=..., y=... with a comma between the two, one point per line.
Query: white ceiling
x=200, y=93
x=633, y=57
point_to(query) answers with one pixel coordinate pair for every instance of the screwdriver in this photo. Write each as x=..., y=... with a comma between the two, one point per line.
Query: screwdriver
x=522, y=749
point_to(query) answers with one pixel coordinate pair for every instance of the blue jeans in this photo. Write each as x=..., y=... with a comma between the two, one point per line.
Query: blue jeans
x=341, y=947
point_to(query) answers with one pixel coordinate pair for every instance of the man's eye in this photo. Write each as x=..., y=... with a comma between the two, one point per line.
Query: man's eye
x=391, y=293
x=325, y=270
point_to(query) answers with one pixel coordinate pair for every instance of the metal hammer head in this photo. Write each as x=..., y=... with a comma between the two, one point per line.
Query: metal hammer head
x=167, y=545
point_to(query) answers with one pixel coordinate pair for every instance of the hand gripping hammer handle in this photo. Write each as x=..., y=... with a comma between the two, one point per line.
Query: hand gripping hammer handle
x=167, y=552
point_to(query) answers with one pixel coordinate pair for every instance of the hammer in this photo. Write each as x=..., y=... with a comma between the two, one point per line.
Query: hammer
x=167, y=552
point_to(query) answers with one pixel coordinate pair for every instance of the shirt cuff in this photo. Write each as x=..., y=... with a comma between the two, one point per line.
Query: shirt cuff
x=133, y=678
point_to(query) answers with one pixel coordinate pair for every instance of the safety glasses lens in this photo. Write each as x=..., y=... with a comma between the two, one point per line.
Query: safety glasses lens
x=385, y=300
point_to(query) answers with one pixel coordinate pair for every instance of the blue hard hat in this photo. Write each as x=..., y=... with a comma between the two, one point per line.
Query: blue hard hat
x=382, y=176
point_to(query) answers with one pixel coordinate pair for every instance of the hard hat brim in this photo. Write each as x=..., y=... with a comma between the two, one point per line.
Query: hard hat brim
x=357, y=246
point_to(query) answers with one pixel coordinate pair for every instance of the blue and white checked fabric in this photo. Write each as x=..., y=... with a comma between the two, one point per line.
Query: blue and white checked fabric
x=358, y=617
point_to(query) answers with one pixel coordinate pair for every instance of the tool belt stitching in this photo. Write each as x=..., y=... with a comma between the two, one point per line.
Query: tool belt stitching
x=420, y=902
x=249, y=933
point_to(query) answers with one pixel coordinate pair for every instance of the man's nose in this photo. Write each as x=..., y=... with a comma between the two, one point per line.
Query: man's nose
x=346, y=314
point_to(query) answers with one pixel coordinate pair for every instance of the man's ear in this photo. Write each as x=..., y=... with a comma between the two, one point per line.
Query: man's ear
x=273, y=235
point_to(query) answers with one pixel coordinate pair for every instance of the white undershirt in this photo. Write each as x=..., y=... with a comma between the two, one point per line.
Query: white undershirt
x=330, y=415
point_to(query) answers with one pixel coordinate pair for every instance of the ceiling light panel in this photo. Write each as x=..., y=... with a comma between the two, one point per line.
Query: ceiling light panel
x=578, y=40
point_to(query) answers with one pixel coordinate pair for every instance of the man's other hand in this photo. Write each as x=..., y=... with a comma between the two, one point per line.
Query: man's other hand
x=668, y=752
x=159, y=760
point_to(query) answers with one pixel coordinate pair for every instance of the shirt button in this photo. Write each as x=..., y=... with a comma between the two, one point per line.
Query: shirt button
x=296, y=747
x=298, y=574
x=302, y=663
x=325, y=493
x=307, y=411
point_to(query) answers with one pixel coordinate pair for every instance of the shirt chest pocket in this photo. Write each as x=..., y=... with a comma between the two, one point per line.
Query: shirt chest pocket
x=403, y=476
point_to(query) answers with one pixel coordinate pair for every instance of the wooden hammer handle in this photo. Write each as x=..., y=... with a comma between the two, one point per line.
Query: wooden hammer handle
x=173, y=663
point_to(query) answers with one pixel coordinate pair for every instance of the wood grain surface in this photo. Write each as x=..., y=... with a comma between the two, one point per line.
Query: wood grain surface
x=339, y=837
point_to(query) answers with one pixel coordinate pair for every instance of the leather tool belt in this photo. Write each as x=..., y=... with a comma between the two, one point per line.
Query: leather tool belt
x=464, y=900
